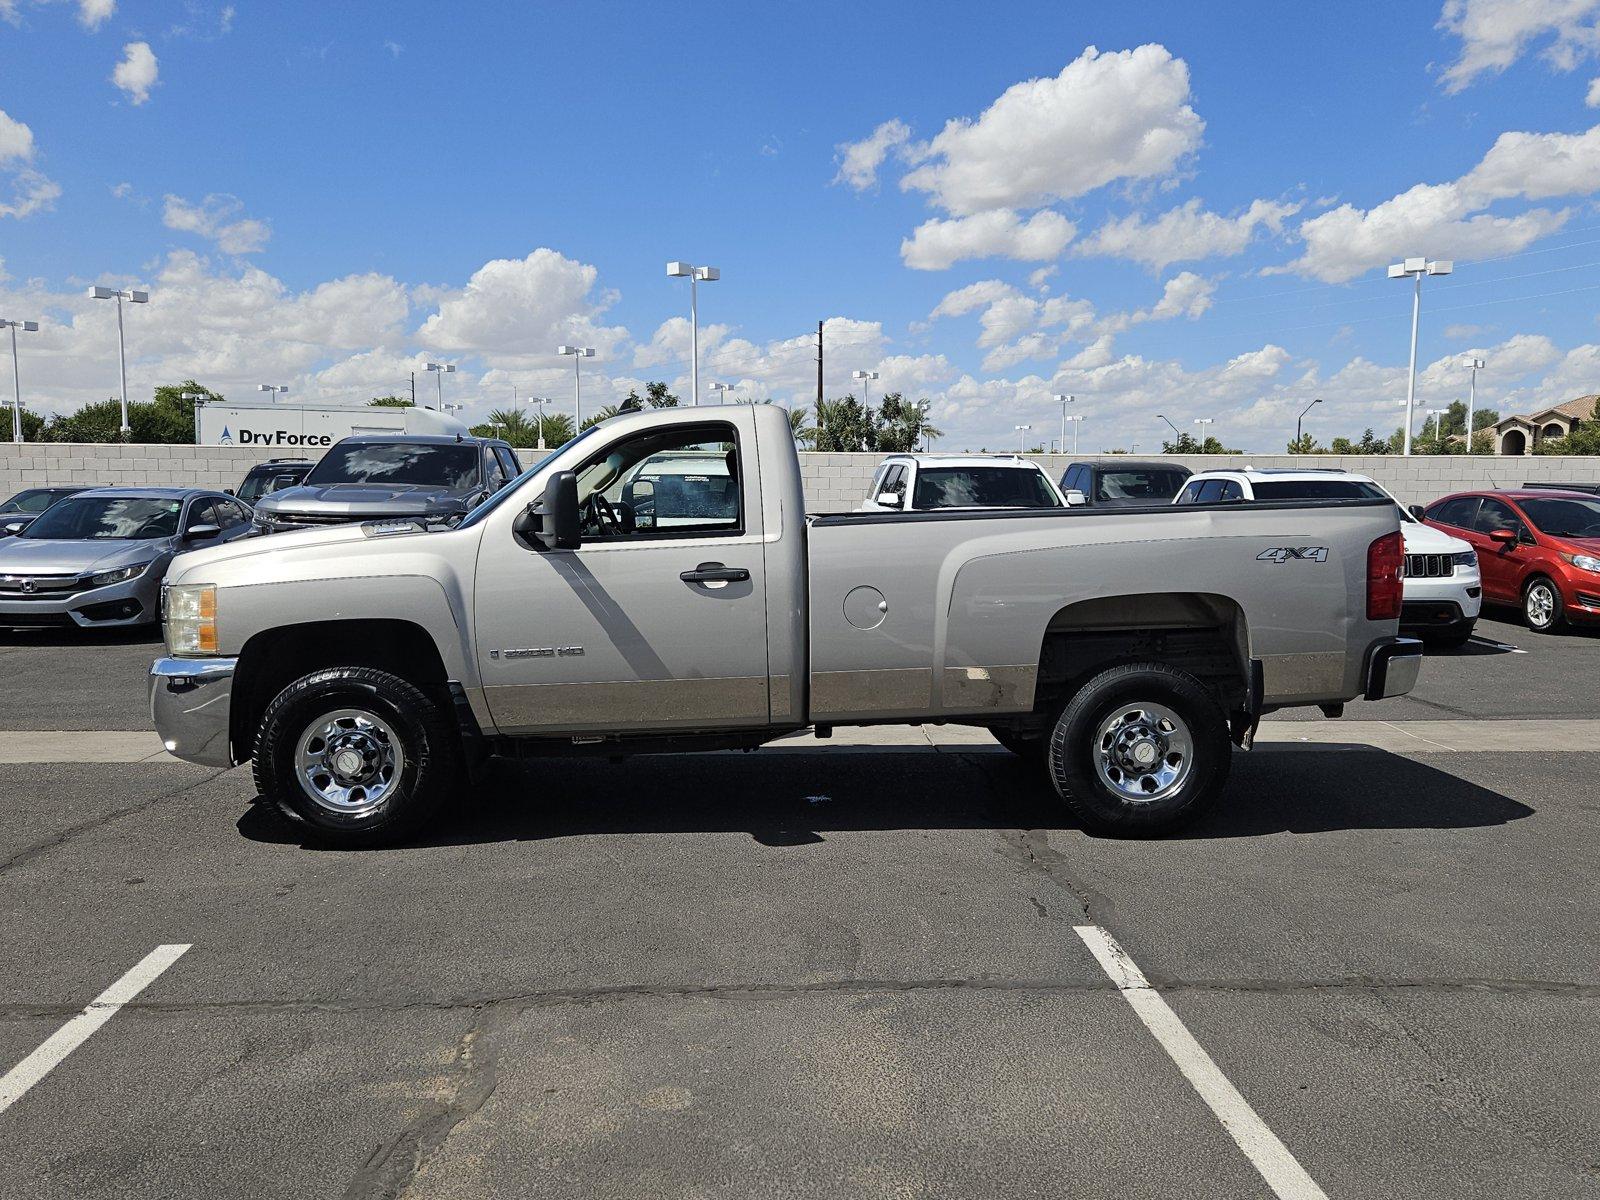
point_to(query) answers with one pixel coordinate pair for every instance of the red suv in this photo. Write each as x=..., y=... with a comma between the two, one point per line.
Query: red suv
x=1539, y=550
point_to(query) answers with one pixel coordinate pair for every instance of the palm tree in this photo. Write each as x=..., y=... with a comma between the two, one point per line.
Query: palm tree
x=802, y=433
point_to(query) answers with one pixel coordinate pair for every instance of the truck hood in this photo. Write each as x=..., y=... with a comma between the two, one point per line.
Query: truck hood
x=42, y=556
x=278, y=543
x=1425, y=539
x=363, y=501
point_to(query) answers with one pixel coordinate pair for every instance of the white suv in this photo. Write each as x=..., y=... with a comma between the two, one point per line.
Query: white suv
x=924, y=482
x=1443, y=591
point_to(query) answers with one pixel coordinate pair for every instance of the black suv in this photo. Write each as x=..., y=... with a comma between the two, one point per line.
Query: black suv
x=432, y=478
x=1121, y=483
x=272, y=476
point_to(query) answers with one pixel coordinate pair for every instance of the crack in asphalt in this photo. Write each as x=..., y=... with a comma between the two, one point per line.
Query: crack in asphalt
x=395, y=1165
x=73, y=832
x=558, y=997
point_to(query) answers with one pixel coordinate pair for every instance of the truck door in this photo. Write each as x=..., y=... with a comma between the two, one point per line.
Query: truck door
x=658, y=620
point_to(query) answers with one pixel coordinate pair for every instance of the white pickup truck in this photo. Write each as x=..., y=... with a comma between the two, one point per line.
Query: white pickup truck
x=656, y=585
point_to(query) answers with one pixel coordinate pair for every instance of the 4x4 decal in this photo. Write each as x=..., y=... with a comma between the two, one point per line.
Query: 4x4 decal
x=1279, y=554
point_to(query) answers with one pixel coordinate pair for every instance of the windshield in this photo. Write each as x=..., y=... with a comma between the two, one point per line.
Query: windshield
x=1564, y=517
x=505, y=493
x=105, y=518
x=1317, y=489
x=413, y=464
x=257, y=486
x=1144, y=485
x=983, y=487
x=32, y=500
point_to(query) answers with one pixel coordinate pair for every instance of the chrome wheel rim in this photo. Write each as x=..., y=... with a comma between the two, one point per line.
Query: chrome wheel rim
x=1541, y=604
x=1143, y=751
x=349, y=761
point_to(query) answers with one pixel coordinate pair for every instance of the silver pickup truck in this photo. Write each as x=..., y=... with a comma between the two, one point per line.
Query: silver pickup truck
x=655, y=585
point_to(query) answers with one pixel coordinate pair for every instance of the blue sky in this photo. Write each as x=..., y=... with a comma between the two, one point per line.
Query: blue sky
x=1157, y=207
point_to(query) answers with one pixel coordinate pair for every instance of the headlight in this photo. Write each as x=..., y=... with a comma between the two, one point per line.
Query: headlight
x=1584, y=562
x=191, y=613
x=120, y=575
x=1467, y=558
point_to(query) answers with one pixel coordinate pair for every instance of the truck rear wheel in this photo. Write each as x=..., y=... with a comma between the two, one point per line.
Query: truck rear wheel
x=1140, y=750
x=354, y=756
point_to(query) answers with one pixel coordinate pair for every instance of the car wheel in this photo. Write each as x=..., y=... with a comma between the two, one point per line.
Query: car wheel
x=1140, y=750
x=1541, y=605
x=353, y=756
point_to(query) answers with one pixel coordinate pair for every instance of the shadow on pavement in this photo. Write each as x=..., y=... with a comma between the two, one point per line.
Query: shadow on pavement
x=797, y=798
x=53, y=635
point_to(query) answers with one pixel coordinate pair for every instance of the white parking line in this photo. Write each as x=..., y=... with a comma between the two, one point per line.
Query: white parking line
x=1284, y=1175
x=15, y=1083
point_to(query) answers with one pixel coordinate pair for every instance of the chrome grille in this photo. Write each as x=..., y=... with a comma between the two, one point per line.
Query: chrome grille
x=1430, y=566
x=309, y=519
x=40, y=587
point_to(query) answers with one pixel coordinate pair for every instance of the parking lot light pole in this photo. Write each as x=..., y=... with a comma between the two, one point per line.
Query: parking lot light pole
x=277, y=389
x=1075, y=418
x=1476, y=365
x=1063, y=399
x=1204, y=423
x=696, y=276
x=1415, y=268
x=864, y=378
x=722, y=389
x=1302, y=416
x=1438, y=429
x=132, y=297
x=578, y=353
x=440, y=370
x=16, y=374
x=539, y=402
x=1171, y=426
x=1022, y=438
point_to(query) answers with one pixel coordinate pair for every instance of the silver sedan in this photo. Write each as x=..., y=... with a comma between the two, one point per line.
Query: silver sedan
x=97, y=559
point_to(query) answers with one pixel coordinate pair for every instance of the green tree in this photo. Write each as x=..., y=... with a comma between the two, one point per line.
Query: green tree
x=802, y=433
x=509, y=424
x=846, y=425
x=391, y=402
x=902, y=424
x=604, y=413
x=1307, y=444
x=1585, y=439
x=1189, y=444
x=32, y=426
x=166, y=418
x=1341, y=445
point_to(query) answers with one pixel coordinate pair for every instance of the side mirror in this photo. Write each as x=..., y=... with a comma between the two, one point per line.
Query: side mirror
x=1076, y=498
x=1506, y=537
x=12, y=528
x=196, y=532
x=890, y=499
x=554, y=521
x=229, y=492
x=1417, y=511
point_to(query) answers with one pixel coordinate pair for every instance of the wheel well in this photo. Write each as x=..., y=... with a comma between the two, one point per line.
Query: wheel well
x=1200, y=633
x=273, y=659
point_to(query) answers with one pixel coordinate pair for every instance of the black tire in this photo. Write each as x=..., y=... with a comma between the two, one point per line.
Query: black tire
x=1530, y=610
x=421, y=729
x=1076, y=749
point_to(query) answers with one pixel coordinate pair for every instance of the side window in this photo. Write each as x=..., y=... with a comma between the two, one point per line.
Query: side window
x=682, y=481
x=1459, y=512
x=202, y=512
x=895, y=481
x=1230, y=490
x=1210, y=491
x=1189, y=495
x=875, y=488
x=229, y=515
x=1496, y=514
x=494, y=475
x=508, y=462
x=1073, y=479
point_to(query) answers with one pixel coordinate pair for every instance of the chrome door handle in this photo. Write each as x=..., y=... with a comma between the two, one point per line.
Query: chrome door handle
x=714, y=572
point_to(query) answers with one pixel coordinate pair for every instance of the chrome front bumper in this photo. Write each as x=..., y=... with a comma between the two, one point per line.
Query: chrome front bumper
x=189, y=703
x=1392, y=667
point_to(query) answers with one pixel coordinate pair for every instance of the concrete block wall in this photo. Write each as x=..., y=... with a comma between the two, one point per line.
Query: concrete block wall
x=833, y=482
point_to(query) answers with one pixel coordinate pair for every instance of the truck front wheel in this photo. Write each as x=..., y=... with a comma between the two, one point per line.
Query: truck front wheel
x=1140, y=750
x=354, y=756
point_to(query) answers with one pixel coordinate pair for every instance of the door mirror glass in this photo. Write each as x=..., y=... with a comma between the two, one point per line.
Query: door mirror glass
x=889, y=499
x=1076, y=498
x=559, y=525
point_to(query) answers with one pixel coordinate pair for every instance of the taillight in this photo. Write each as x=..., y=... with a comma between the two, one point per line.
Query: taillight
x=1385, y=558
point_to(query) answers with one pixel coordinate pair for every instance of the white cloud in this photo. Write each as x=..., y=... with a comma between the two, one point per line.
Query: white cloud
x=94, y=13
x=31, y=192
x=217, y=219
x=1592, y=97
x=1106, y=117
x=859, y=161
x=938, y=243
x=1447, y=220
x=1186, y=233
x=16, y=140
x=1185, y=295
x=138, y=71
x=1496, y=33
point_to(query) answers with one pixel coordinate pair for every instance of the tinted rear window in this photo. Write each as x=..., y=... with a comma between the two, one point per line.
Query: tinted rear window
x=1144, y=486
x=1316, y=489
x=982, y=487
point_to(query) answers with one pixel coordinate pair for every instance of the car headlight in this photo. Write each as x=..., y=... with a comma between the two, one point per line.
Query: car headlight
x=118, y=575
x=1584, y=562
x=191, y=616
x=1466, y=558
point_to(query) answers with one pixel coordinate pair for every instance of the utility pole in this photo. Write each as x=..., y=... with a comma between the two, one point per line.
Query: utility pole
x=819, y=368
x=413, y=389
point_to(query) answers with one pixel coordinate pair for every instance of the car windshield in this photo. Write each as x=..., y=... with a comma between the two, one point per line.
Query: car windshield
x=257, y=486
x=106, y=518
x=983, y=487
x=415, y=464
x=505, y=493
x=1317, y=489
x=1152, y=486
x=31, y=500
x=1565, y=517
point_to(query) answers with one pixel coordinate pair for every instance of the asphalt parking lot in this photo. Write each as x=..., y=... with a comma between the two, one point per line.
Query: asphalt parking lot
x=860, y=970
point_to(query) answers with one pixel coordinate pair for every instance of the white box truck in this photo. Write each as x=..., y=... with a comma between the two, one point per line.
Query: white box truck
x=309, y=426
